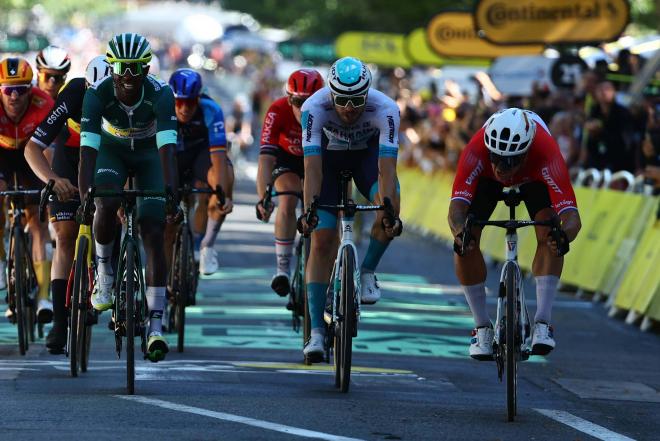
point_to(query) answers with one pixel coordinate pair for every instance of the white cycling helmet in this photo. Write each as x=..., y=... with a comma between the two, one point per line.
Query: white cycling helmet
x=97, y=69
x=509, y=132
x=53, y=57
x=349, y=76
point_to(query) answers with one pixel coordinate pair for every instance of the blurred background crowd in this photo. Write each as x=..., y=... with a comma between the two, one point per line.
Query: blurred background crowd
x=603, y=119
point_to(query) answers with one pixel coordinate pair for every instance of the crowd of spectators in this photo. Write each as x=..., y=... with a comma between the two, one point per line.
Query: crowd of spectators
x=589, y=121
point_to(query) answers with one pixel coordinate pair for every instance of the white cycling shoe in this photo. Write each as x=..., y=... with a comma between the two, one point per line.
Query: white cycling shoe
x=102, y=295
x=208, y=261
x=481, y=344
x=370, y=288
x=542, y=339
x=314, y=348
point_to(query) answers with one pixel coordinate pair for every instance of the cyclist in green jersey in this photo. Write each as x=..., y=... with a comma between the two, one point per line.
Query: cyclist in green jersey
x=129, y=126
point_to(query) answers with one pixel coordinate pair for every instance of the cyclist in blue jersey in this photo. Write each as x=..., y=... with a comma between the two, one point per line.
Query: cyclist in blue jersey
x=347, y=126
x=202, y=156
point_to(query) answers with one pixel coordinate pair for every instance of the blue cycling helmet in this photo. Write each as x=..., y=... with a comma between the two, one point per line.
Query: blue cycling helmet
x=349, y=76
x=186, y=83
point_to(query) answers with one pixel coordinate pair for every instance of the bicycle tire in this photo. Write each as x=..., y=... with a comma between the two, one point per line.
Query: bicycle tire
x=511, y=328
x=130, y=317
x=87, y=344
x=186, y=284
x=77, y=319
x=20, y=293
x=347, y=308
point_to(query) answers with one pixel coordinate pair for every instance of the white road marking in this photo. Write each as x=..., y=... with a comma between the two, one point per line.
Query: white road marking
x=236, y=419
x=584, y=426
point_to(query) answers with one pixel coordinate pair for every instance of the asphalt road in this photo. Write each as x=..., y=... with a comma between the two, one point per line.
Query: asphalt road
x=241, y=376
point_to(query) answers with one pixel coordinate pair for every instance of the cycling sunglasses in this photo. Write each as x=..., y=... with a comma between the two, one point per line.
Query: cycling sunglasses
x=297, y=101
x=506, y=162
x=122, y=68
x=354, y=100
x=186, y=101
x=47, y=76
x=20, y=89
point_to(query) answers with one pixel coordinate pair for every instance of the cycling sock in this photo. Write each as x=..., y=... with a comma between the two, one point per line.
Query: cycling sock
x=58, y=292
x=156, y=303
x=42, y=271
x=104, y=258
x=476, y=298
x=374, y=253
x=212, y=229
x=546, y=289
x=318, y=331
x=283, y=252
x=316, y=297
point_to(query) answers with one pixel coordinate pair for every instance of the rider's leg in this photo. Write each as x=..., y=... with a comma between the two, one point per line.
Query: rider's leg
x=471, y=273
x=40, y=236
x=322, y=253
x=65, y=240
x=152, y=233
x=546, y=268
x=285, y=225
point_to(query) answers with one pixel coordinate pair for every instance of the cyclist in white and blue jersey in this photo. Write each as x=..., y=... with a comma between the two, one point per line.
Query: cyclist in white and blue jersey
x=347, y=126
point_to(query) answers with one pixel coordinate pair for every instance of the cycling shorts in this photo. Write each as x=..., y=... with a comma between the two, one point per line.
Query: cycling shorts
x=285, y=162
x=65, y=165
x=194, y=165
x=13, y=161
x=534, y=194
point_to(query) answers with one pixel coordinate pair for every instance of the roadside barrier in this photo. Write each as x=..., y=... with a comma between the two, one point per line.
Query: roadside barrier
x=616, y=256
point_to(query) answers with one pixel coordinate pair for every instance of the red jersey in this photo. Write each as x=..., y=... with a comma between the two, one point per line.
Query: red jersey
x=281, y=130
x=544, y=163
x=15, y=136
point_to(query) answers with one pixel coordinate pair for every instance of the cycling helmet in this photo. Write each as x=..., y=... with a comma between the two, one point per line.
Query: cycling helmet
x=128, y=47
x=304, y=82
x=509, y=132
x=186, y=83
x=349, y=76
x=97, y=69
x=15, y=71
x=55, y=58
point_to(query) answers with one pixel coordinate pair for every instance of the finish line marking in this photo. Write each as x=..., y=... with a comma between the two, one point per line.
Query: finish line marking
x=236, y=419
x=584, y=426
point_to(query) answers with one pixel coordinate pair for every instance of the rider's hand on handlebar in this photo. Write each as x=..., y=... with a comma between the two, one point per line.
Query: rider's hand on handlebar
x=558, y=242
x=64, y=189
x=307, y=222
x=263, y=213
x=227, y=208
x=459, y=248
x=393, y=226
x=80, y=215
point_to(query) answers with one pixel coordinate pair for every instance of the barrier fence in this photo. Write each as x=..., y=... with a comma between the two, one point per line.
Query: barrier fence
x=616, y=256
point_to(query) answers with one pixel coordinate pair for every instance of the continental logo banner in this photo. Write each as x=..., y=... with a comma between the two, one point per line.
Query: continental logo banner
x=373, y=47
x=452, y=34
x=418, y=50
x=551, y=21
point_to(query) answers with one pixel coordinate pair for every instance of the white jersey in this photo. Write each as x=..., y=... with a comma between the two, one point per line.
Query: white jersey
x=380, y=119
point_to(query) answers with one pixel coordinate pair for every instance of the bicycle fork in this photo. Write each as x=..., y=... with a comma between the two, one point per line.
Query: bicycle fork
x=346, y=241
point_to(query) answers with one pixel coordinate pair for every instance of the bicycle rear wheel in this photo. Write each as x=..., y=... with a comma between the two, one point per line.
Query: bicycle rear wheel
x=130, y=317
x=20, y=292
x=511, y=330
x=186, y=285
x=347, y=310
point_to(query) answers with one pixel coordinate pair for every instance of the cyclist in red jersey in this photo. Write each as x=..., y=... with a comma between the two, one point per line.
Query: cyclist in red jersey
x=23, y=108
x=513, y=148
x=281, y=160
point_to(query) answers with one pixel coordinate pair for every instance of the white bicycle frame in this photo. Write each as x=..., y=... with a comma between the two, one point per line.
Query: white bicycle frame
x=346, y=241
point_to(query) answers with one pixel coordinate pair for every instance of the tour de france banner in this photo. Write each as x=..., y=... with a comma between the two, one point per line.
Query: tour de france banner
x=551, y=21
x=452, y=34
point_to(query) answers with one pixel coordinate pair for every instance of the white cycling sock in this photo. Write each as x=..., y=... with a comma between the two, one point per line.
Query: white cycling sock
x=212, y=229
x=104, y=258
x=156, y=303
x=476, y=298
x=283, y=252
x=318, y=331
x=546, y=290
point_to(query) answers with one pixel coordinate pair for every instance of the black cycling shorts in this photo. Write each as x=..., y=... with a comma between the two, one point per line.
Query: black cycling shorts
x=534, y=194
x=14, y=162
x=65, y=165
x=194, y=165
x=285, y=162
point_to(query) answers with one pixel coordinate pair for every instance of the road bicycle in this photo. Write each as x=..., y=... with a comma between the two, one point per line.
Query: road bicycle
x=344, y=287
x=297, y=303
x=184, y=274
x=512, y=340
x=22, y=288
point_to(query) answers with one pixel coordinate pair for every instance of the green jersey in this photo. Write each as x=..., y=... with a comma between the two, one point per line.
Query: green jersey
x=151, y=122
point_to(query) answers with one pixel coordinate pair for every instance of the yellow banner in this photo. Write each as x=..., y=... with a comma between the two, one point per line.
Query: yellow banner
x=418, y=50
x=373, y=47
x=452, y=34
x=551, y=21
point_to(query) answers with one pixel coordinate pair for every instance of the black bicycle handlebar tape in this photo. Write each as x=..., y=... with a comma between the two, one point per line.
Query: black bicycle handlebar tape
x=43, y=200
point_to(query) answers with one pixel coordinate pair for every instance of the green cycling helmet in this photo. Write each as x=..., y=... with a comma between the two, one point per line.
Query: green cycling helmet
x=128, y=47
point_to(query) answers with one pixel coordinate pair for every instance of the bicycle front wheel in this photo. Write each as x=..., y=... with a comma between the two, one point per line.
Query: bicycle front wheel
x=130, y=317
x=511, y=321
x=77, y=318
x=20, y=292
x=347, y=310
x=186, y=285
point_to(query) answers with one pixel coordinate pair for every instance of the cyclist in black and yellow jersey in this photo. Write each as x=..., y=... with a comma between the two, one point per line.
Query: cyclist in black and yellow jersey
x=62, y=128
x=129, y=125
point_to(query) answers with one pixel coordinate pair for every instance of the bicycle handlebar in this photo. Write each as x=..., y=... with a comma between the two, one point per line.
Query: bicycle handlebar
x=269, y=194
x=44, y=195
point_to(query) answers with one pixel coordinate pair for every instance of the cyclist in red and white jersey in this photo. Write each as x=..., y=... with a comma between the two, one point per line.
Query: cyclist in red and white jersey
x=513, y=148
x=281, y=152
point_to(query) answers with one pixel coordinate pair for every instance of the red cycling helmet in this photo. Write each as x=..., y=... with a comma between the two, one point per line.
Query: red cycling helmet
x=304, y=82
